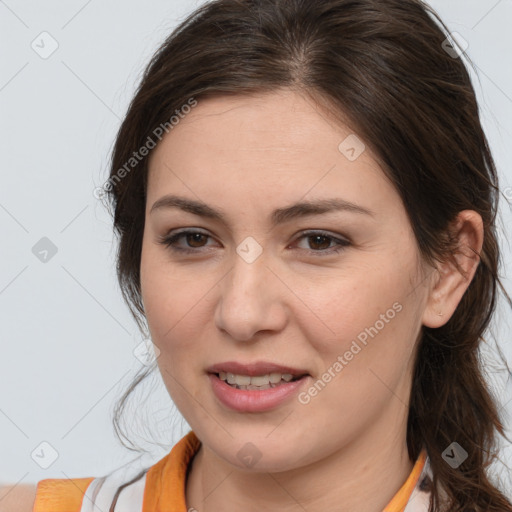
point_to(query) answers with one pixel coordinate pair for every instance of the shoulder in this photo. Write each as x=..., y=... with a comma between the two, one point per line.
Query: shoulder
x=17, y=498
x=50, y=495
x=165, y=477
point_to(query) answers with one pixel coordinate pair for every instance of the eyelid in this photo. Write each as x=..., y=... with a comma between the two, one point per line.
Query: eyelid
x=173, y=235
x=323, y=232
x=341, y=241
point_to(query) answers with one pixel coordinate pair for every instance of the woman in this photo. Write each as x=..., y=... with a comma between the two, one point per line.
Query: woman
x=306, y=207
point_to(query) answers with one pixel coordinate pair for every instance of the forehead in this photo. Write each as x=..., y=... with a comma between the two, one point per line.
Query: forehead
x=255, y=122
x=265, y=145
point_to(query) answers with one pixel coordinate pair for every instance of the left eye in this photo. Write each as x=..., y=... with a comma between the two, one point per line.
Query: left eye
x=194, y=240
x=319, y=238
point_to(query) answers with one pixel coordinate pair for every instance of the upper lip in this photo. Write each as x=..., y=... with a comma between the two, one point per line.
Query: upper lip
x=254, y=369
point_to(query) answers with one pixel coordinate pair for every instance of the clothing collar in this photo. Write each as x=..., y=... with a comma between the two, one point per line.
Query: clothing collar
x=166, y=480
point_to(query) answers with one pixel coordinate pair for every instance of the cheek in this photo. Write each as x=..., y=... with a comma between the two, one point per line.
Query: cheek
x=173, y=310
x=368, y=329
x=371, y=353
x=178, y=310
x=360, y=302
x=162, y=295
x=166, y=295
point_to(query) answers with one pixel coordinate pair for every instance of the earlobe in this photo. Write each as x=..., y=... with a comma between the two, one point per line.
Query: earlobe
x=449, y=287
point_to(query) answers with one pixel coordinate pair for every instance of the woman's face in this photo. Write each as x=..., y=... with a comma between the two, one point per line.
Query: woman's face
x=335, y=293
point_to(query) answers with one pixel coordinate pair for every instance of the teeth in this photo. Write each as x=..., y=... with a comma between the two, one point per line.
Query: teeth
x=242, y=380
x=256, y=382
x=274, y=378
x=260, y=380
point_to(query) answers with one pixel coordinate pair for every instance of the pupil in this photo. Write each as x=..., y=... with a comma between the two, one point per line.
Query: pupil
x=317, y=237
x=194, y=238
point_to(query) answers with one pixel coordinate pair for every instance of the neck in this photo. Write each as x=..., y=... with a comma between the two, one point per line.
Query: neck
x=363, y=475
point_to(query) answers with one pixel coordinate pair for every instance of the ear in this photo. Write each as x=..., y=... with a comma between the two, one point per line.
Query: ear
x=449, y=287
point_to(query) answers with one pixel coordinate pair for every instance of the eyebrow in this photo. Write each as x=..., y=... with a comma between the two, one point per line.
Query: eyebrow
x=279, y=216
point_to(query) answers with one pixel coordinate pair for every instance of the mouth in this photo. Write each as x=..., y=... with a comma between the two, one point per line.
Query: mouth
x=257, y=382
x=255, y=388
x=255, y=376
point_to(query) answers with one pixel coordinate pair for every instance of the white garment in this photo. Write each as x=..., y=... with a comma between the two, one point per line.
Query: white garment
x=420, y=497
x=101, y=491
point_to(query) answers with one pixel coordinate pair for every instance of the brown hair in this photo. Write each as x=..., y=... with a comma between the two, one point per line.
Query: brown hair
x=381, y=65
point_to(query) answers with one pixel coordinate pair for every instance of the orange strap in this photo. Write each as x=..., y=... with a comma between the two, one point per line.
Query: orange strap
x=399, y=501
x=61, y=494
x=165, y=481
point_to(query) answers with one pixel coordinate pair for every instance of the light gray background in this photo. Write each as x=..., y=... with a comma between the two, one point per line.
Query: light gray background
x=67, y=338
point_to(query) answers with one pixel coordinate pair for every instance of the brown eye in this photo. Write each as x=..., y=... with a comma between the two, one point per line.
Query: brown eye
x=316, y=240
x=319, y=243
x=194, y=240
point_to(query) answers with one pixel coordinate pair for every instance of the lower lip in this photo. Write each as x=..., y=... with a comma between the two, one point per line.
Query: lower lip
x=253, y=400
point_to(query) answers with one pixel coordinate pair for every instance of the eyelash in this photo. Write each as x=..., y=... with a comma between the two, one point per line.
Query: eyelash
x=170, y=240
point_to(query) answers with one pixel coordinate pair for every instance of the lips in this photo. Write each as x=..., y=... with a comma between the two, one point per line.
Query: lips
x=250, y=399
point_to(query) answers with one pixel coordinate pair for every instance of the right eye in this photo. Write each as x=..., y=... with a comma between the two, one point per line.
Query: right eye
x=191, y=236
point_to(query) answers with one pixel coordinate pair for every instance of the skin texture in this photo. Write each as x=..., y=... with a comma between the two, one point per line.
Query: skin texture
x=297, y=304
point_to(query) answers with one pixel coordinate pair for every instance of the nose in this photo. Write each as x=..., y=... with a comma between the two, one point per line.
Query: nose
x=252, y=300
